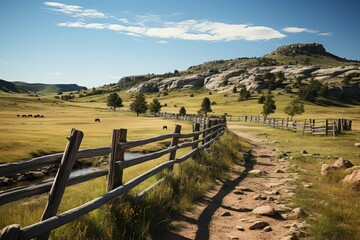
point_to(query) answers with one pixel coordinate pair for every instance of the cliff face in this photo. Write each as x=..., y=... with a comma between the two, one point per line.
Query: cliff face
x=301, y=48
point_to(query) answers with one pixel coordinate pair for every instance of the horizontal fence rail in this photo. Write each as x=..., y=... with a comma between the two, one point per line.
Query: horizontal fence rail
x=313, y=126
x=198, y=141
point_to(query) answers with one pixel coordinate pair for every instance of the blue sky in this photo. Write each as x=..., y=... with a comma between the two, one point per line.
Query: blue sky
x=95, y=42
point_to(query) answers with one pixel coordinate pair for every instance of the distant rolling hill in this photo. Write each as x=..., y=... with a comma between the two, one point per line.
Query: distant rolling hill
x=19, y=87
x=10, y=87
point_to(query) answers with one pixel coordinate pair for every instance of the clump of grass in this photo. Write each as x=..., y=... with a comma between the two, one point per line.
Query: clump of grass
x=39, y=153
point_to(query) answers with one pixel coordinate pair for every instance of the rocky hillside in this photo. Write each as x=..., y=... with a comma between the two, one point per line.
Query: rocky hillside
x=288, y=62
x=47, y=88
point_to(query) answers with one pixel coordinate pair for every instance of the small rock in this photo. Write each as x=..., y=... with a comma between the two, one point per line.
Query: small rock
x=279, y=171
x=304, y=152
x=238, y=192
x=326, y=169
x=240, y=228
x=36, y=174
x=267, y=229
x=258, y=172
x=271, y=199
x=233, y=238
x=264, y=211
x=264, y=156
x=259, y=225
x=274, y=141
x=245, y=189
x=226, y=214
x=291, y=158
x=297, y=213
x=353, y=180
x=307, y=186
x=259, y=197
x=290, y=237
x=342, y=163
x=357, y=145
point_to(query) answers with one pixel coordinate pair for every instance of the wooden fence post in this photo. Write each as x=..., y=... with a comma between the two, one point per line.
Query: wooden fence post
x=196, y=136
x=117, y=154
x=10, y=232
x=174, y=142
x=326, y=126
x=349, y=125
x=62, y=176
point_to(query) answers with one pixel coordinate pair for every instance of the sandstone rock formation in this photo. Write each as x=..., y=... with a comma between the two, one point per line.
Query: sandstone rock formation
x=353, y=180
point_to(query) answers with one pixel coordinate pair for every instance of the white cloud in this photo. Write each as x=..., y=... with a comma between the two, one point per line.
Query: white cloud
x=150, y=25
x=162, y=42
x=74, y=10
x=189, y=30
x=325, y=34
x=299, y=30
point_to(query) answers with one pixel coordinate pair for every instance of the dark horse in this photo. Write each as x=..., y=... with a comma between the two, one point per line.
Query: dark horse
x=164, y=127
x=97, y=119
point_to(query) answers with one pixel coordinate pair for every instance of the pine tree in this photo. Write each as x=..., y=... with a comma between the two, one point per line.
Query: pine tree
x=182, y=111
x=205, y=106
x=114, y=101
x=139, y=104
x=269, y=104
x=155, y=106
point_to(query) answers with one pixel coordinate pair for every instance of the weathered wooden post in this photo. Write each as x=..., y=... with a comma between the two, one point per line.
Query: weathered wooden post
x=174, y=142
x=339, y=125
x=62, y=177
x=245, y=118
x=208, y=131
x=326, y=127
x=350, y=125
x=196, y=136
x=10, y=232
x=117, y=154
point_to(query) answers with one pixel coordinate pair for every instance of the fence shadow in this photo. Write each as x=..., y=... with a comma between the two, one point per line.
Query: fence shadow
x=215, y=203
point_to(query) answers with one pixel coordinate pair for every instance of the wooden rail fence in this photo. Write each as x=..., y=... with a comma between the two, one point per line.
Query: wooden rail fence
x=315, y=127
x=198, y=140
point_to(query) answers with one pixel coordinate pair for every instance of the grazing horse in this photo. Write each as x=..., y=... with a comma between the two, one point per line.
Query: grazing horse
x=42, y=116
x=97, y=119
x=30, y=115
x=164, y=127
x=24, y=116
x=18, y=115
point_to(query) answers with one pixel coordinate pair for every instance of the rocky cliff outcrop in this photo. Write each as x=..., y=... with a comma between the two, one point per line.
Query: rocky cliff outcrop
x=301, y=48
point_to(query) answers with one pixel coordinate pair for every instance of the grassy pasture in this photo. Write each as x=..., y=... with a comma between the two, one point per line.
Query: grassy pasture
x=19, y=137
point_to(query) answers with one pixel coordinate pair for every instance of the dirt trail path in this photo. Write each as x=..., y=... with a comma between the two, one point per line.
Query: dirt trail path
x=226, y=211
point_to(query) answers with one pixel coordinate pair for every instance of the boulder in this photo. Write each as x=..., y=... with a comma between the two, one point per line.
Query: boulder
x=357, y=145
x=327, y=168
x=342, y=163
x=353, y=180
x=258, y=225
x=265, y=211
x=257, y=172
x=297, y=213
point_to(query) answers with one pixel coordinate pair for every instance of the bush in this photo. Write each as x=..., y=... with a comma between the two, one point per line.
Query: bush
x=261, y=99
x=191, y=95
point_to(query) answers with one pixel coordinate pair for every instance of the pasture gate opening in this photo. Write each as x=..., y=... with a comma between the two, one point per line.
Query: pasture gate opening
x=198, y=140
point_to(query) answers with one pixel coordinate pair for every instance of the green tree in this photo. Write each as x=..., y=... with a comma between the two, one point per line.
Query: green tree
x=244, y=94
x=182, y=111
x=139, y=104
x=114, y=101
x=234, y=89
x=155, y=106
x=269, y=104
x=311, y=91
x=261, y=99
x=205, y=106
x=295, y=107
